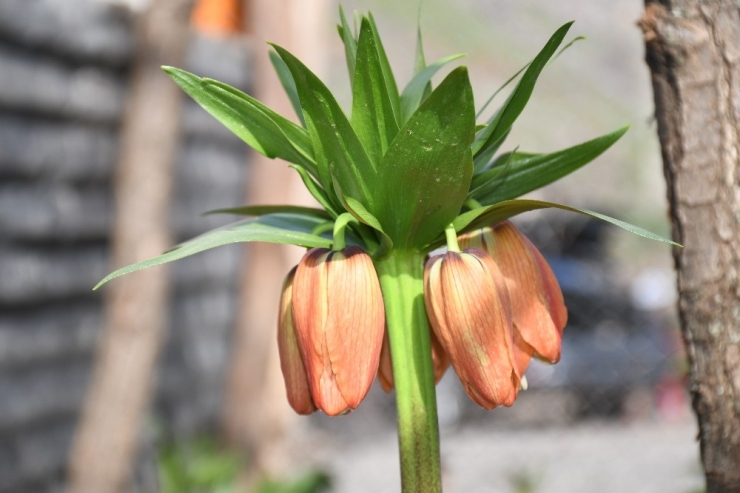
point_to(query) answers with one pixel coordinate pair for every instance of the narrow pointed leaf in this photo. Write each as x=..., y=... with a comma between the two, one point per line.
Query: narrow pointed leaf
x=501, y=88
x=420, y=62
x=286, y=80
x=261, y=210
x=493, y=214
x=427, y=170
x=272, y=228
x=358, y=210
x=415, y=91
x=372, y=112
x=484, y=159
x=297, y=136
x=339, y=152
x=501, y=169
x=529, y=172
x=568, y=45
x=317, y=192
x=350, y=45
x=518, y=99
x=511, y=79
x=390, y=80
x=261, y=128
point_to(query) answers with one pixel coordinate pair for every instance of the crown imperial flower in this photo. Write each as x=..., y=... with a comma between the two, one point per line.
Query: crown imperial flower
x=470, y=312
x=538, y=310
x=339, y=320
x=407, y=170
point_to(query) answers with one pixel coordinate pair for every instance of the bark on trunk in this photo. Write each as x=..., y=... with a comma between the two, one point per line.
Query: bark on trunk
x=136, y=305
x=693, y=50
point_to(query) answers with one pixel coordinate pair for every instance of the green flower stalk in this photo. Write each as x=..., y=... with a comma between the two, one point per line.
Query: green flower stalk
x=406, y=173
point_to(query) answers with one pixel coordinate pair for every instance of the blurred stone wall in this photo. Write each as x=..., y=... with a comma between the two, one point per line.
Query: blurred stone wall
x=63, y=75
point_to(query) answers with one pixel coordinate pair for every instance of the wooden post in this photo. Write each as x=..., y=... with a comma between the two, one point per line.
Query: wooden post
x=136, y=305
x=256, y=412
x=693, y=50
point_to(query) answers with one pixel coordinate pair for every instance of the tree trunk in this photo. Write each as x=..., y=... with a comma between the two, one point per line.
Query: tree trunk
x=693, y=50
x=136, y=305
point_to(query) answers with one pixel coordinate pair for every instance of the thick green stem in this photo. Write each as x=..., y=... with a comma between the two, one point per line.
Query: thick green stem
x=402, y=280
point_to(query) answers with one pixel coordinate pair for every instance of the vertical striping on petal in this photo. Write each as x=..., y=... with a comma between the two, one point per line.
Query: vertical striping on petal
x=469, y=312
x=339, y=316
x=357, y=322
x=538, y=310
x=291, y=361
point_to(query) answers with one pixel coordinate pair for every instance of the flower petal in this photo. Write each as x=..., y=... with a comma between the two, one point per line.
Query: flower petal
x=356, y=323
x=310, y=314
x=291, y=361
x=537, y=303
x=339, y=318
x=470, y=315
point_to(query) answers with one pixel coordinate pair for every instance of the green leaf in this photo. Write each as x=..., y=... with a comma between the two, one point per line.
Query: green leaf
x=350, y=45
x=529, y=172
x=501, y=88
x=261, y=210
x=390, y=80
x=358, y=210
x=311, y=482
x=261, y=128
x=420, y=62
x=511, y=79
x=504, y=118
x=339, y=152
x=414, y=92
x=317, y=192
x=568, y=45
x=286, y=80
x=296, y=135
x=485, y=158
x=372, y=111
x=500, y=169
x=284, y=228
x=427, y=169
x=486, y=216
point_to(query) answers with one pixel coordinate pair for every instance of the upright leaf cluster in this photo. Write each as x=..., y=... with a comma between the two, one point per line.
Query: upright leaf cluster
x=405, y=164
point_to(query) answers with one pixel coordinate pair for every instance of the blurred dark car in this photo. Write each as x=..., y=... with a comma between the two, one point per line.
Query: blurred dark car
x=611, y=346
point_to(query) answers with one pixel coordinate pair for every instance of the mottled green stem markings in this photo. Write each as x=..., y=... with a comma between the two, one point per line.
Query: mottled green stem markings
x=402, y=280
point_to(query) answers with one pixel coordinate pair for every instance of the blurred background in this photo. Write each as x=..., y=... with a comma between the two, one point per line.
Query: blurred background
x=167, y=380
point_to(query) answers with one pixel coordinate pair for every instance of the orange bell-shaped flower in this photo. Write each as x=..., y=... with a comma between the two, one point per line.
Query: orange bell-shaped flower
x=538, y=310
x=339, y=319
x=469, y=311
x=291, y=361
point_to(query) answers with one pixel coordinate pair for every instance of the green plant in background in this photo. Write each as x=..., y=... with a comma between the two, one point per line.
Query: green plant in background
x=201, y=466
x=525, y=481
x=197, y=466
x=405, y=174
x=309, y=482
